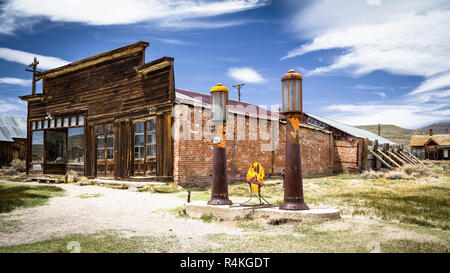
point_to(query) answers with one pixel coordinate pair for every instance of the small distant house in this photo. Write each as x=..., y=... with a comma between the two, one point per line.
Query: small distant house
x=13, y=139
x=433, y=147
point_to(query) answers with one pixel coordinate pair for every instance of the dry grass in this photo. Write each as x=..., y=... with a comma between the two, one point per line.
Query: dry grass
x=423, y=201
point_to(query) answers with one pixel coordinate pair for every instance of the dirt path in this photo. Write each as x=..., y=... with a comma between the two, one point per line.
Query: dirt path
x=134, y=213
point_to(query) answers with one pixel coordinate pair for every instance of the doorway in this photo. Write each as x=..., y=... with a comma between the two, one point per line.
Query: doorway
x=104, y=142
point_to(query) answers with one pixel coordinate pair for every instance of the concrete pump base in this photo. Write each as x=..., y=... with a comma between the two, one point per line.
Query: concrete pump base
x=197, y=208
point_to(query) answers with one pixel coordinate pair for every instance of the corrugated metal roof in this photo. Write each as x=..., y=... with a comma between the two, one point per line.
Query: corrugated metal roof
x=357, y=132
x=12, y=127
x=239, y=107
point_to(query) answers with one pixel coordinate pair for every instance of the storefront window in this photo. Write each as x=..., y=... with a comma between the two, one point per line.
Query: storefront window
x=55, y=146
x=37, y=146
x=75, y=145
x=139, y=130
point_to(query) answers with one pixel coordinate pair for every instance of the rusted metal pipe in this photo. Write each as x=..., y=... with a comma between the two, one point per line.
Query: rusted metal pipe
x=219, y=186
x=293, y=183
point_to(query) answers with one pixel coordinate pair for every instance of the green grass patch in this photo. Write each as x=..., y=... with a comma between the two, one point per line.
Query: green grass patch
x=9, y=226
x=14, y=196
x=207, y=217
x=87, y=195
x=101, y=242
x=170, y=188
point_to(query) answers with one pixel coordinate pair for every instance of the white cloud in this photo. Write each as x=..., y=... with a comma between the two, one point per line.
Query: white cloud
x=367, y=87
x=108, y=12
x=432, y=83
x=25, y=58
x=15, y=81
x=245, y=74
x=12, y=106
x=381, y=94
x=407, y=116
x=400, y=37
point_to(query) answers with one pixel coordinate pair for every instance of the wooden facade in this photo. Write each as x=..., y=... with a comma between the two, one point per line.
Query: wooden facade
x=105, y=116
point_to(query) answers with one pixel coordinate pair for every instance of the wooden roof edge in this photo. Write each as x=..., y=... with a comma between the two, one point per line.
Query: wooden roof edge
x=31, y=97
x=160, y=60
x=95, y=57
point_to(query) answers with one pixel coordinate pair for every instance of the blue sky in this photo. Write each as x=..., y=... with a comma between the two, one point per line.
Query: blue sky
x=363, y=61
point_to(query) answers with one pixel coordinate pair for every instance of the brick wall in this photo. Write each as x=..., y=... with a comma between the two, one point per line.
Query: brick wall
x=348, y=155
x=193, y=157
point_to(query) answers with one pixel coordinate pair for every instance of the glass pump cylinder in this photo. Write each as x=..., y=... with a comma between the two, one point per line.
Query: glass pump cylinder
x=291, y=86
x=219, y=100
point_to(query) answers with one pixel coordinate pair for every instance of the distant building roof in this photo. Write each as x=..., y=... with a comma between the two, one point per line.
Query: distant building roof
x=357, y=132
x=12, y=127
x=421, y=140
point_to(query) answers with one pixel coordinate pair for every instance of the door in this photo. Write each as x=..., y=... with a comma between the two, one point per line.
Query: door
x=104, y=142
x=55, y=151
x=145, y=147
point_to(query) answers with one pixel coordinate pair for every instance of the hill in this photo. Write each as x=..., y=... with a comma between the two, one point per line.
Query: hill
x=402, y=135
x=392, y=132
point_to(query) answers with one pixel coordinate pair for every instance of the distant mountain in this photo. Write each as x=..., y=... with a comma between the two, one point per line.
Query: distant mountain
x=402, y=135
x=438, y=128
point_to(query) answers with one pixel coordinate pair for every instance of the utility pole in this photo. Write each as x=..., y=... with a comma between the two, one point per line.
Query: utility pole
x=233, y=155
x=33, y=65
x=379, y=129
x=238, y=87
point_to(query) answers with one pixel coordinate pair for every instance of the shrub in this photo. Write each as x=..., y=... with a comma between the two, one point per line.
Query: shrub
x=394, y=175
x=371, y=174
x=19, y=165
x=10, y=171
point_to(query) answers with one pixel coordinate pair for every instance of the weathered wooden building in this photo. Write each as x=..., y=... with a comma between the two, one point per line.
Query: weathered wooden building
x=13, y=134
x=105, y=116
x=433, y=147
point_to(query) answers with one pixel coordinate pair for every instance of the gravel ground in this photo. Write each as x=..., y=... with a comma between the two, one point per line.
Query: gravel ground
x=134, y=213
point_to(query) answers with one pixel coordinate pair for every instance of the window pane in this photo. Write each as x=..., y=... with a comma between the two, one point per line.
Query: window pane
x=81, y=120
x=101, y=147
x=37, y=146
x=33, y=125
x=58, y=122
x=52, y=123
x=55, y=146
x=75, y=145
x=73, y=121
x=66, y=122
x=151, y=138
x=110, y=146
x=151, y=150
x=39, y=124
x=45, y=125
x=98, y=129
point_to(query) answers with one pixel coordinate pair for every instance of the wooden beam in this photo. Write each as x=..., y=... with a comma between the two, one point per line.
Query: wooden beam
x=406, y=158
x=409, y=154
x=380, y=159
x=389, y=158
x=397, y=157
x=365, y=153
